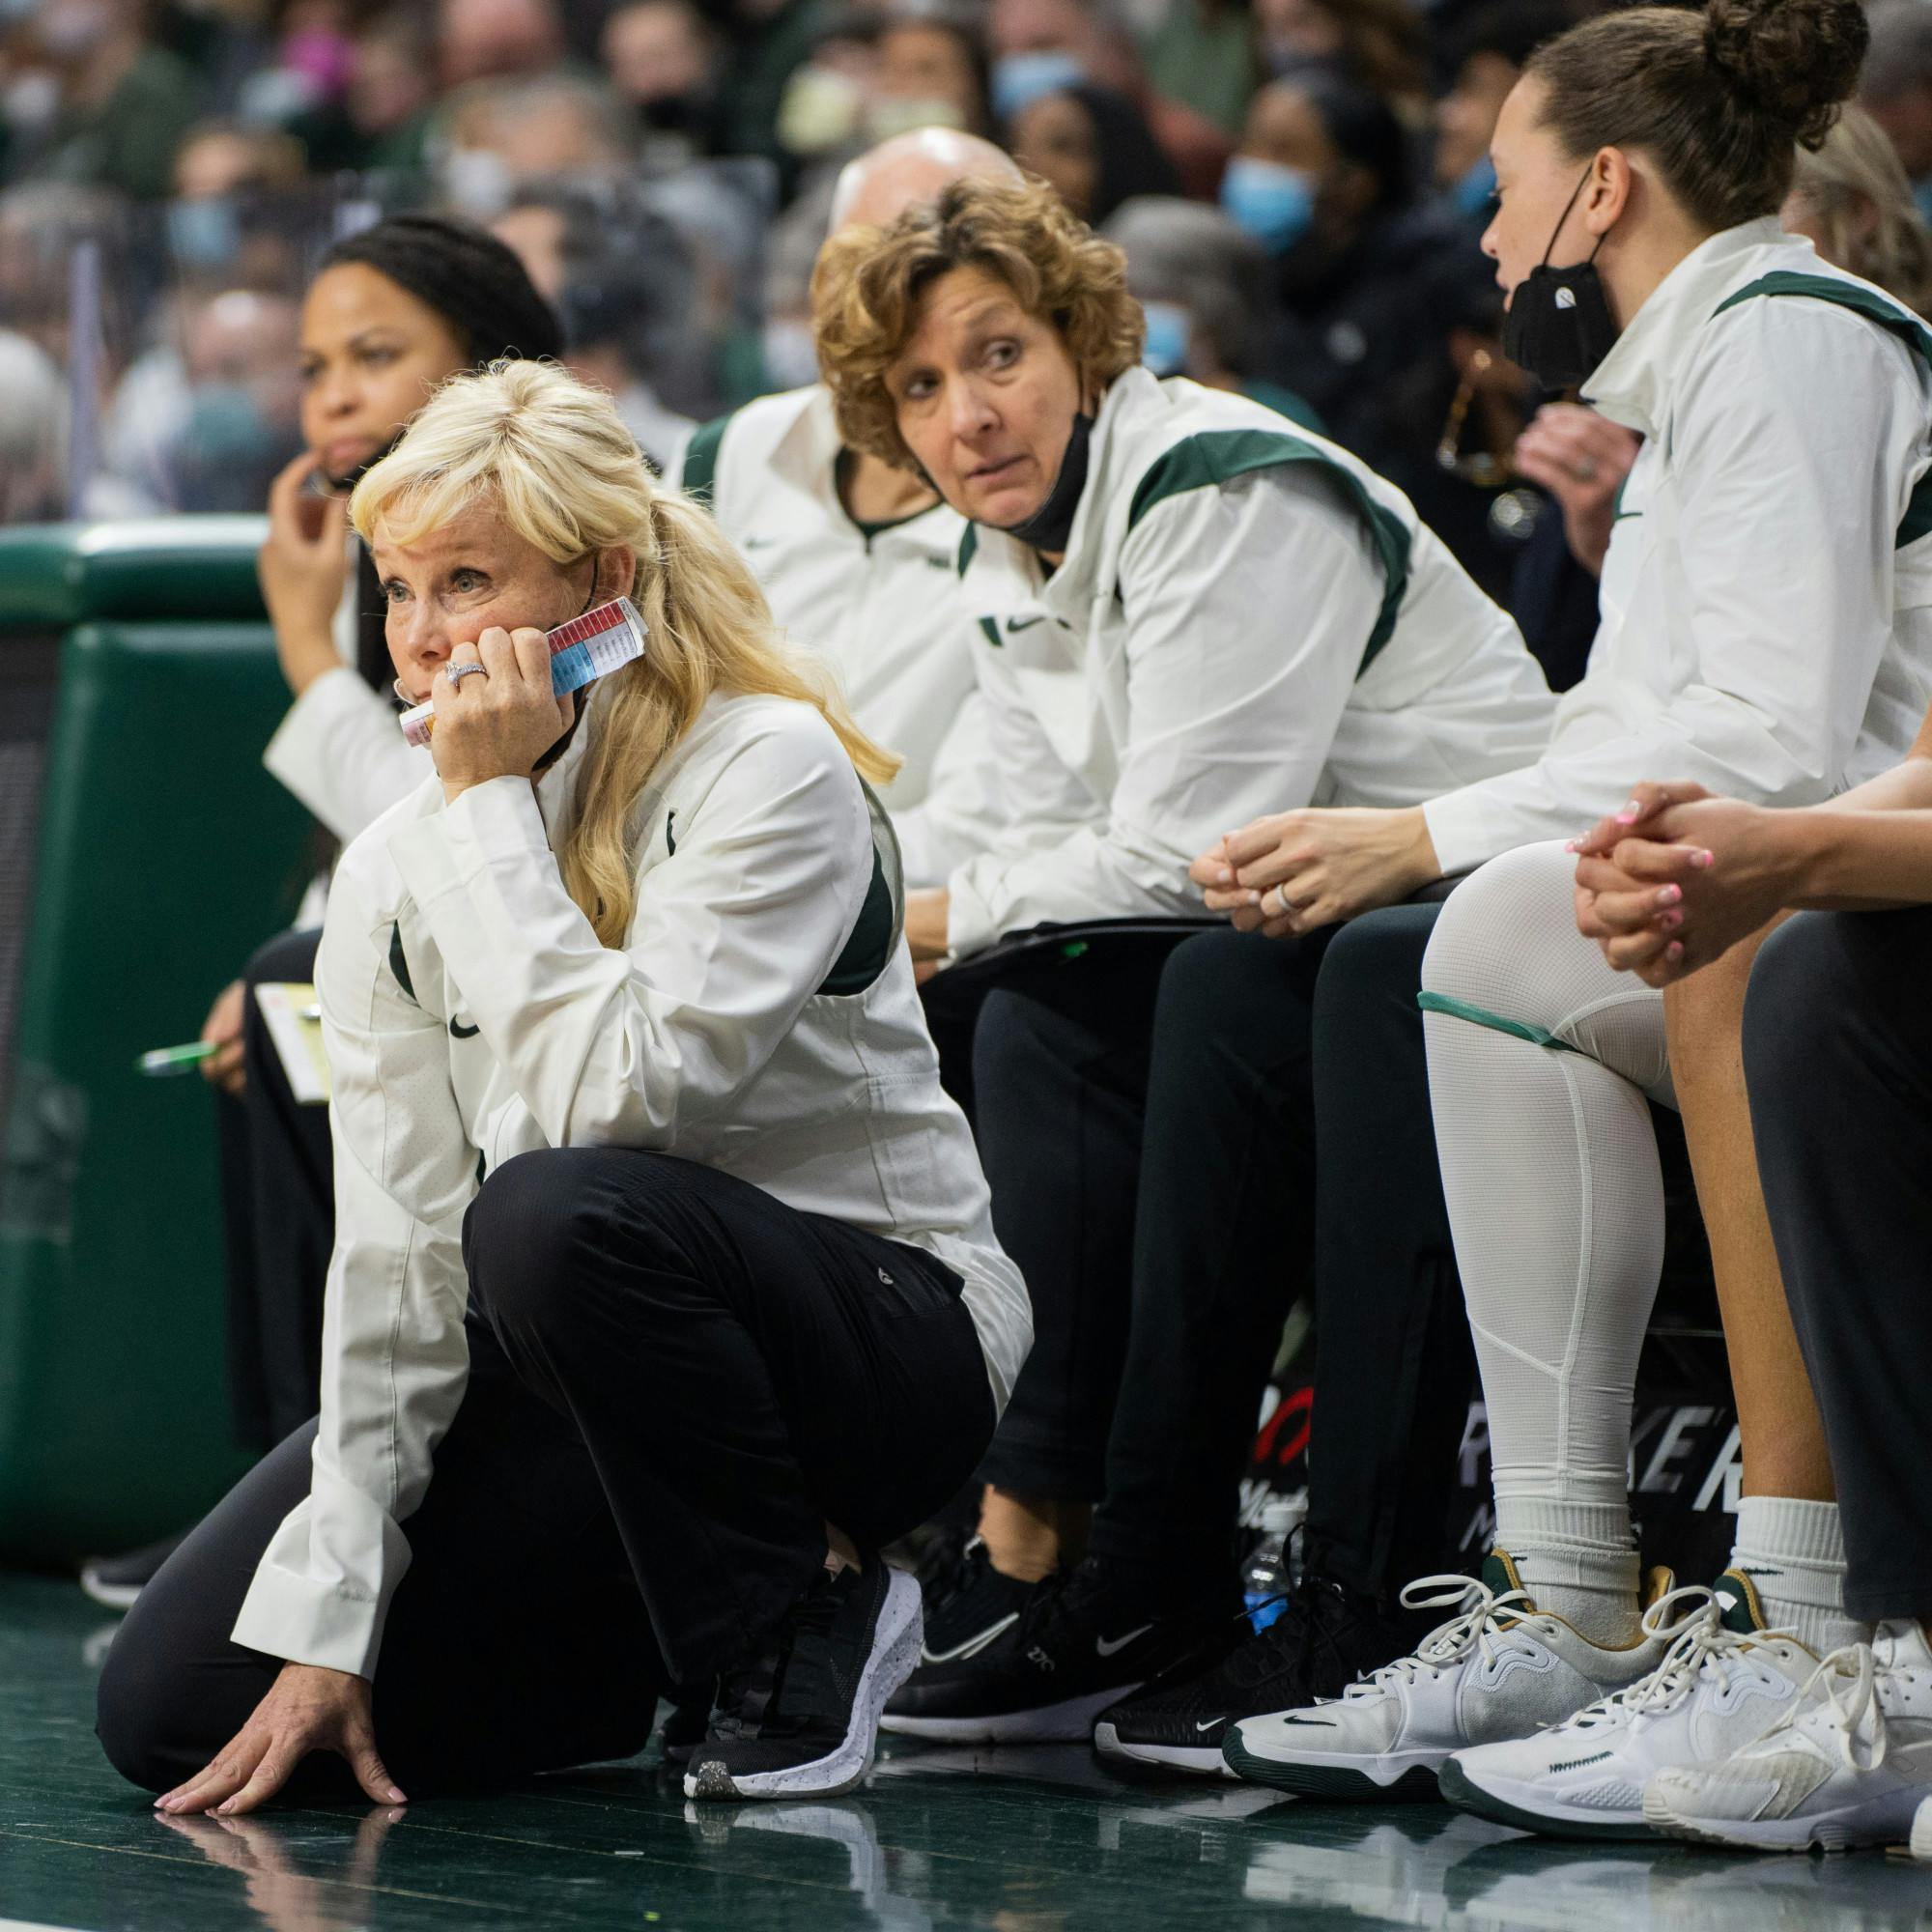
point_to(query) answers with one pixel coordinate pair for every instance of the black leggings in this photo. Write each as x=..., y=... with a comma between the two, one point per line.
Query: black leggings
x=675, y=1383
x=1151, y=1131
x=1837, y=1040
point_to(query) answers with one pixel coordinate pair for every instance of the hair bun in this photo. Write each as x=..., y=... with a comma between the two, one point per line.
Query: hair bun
x=1795, y=60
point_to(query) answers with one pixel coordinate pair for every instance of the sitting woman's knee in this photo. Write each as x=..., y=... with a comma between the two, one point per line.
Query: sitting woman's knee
x=138, y=1718
x=524, y=1234
x=1506, y=931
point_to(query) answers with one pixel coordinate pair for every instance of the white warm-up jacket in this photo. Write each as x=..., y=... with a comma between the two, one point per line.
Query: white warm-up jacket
x=1248, y=619
x=762, y=1019
x=1767, y=600
x=880, y=604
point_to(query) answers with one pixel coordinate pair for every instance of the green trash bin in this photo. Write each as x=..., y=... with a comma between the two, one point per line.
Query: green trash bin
x=146, y=854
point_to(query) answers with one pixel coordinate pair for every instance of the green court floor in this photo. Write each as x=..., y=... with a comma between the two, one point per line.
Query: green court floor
x=1016, y=1841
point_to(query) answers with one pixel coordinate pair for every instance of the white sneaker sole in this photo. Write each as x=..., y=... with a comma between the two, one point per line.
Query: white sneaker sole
x=1202, y=1760
x=1528, y=1806
x=1885, y=1818
x=1067, y=1723
x=1921, y=1832
x=1369, y=1777
x=895, y=1645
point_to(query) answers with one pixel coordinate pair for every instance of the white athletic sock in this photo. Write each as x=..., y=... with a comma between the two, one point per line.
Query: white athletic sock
x=1578, y=1562
x=1793, y=1553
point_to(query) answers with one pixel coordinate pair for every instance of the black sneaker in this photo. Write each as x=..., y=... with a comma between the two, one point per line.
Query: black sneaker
x=686, y=1723
x=1324, y=1638
x=1081, y=1643
x=117, y=1581
x=968, y=1602
x=799, y=1715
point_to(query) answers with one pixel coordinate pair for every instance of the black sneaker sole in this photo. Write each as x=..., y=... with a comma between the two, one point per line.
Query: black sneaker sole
x=1336, y=1784
x=1458, y=1789
x=1069, y=1723
x=895, y=1656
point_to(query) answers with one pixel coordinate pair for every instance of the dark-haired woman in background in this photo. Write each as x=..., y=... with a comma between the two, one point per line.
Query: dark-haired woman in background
x=392, y=313
x=1767, y=629
x=1095, y=145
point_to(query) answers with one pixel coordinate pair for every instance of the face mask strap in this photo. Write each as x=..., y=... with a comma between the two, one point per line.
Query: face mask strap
x=1569, y=208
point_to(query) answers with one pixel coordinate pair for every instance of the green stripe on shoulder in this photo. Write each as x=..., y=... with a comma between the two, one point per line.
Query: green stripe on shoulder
x=869, y=950
x=1462, y=1010
x=700, y=458
x=968, y=544
x=1890, y=316
x=399, y=963
x=1212, y=457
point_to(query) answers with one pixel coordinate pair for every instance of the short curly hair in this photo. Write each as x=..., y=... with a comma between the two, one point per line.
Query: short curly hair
x=866, y=288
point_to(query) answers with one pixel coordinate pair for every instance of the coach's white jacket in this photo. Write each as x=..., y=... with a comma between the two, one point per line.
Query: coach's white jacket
x=1767, y=599
x=882, y=605
x=1248, y=619
x=763, y=1021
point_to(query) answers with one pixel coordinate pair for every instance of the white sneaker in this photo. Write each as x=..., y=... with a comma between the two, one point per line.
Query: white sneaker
x=1846, y=1765
x=1722, y=1683
x=1497, y=1670
x=1920, y=1841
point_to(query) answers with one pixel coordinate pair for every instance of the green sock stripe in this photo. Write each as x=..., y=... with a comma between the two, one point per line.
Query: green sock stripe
x=1462, y=1010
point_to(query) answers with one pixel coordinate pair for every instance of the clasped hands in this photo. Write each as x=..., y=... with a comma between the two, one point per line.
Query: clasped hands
x=1677, y=877
x=1294, y=872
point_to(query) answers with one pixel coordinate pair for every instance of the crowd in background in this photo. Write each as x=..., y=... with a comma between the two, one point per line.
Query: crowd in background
x=1300, y=185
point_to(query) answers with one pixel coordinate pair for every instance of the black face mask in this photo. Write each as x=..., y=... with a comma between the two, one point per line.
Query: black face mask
x=1052, y=523
x=1559, y=324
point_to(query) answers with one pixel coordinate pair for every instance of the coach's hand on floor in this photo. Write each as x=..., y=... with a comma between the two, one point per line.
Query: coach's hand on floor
x=308, y=1708
x=1296, y=871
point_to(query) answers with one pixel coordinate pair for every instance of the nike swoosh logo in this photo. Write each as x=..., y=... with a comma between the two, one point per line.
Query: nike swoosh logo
x=972, y=1646
x=1120, y=1643
x=1014, y=625
x=1210, y=1723
x=458, y=1031
x=1328, y=1723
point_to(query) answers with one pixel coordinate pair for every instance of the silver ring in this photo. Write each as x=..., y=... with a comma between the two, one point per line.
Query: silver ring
x=456, y=673
x=1281, y=901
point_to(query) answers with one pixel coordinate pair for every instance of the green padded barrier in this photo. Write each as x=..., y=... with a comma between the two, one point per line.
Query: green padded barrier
x=201, y=569
x=165, y=855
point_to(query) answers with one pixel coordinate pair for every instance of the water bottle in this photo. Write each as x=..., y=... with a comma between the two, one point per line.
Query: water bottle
x=1271, y=1571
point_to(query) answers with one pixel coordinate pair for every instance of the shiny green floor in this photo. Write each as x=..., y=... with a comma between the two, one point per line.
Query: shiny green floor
x=1021, y=1842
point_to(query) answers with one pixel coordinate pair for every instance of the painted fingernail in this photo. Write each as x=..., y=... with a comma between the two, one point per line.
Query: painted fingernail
x=1672, y=921
x=396, y=1797
x=1706, y=858
x=1572, y=845
x=1674, y=950
x=1254, y=897
x=1223, y=877
x=1669, y=895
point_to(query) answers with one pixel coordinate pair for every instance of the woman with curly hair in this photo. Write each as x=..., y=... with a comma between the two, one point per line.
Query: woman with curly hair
x=1183, y=601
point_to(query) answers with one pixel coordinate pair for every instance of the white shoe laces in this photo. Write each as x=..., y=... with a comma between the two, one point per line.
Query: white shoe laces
x=1700, y=1642
x=1845, y=1704
x=1482, y=1620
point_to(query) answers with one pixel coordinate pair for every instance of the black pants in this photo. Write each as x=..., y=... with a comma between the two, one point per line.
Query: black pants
x=677, y=1382
x=1837, y=1040
x=278, y=1220
x=1151, y=1135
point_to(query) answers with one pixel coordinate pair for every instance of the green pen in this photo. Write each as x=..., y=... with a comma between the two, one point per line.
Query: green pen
x=165, y=1060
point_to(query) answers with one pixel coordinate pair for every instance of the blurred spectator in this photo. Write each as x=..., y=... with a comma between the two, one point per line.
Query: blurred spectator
x=1202, y=54
x=238, y=353
x=307, y=74
x=768, y=40
x=1895, y=87
x=33, y=432
x=501, y=135
x=930, y=71
x=1093, y=146
x=1486, y=61
x=223, y=158
x=788, y=355
x=391, y=90
x=821, y=111
x=1203, y=283
x=1039, y=46
x=663, y=60
x=496, y=40
x=103, y=105
x=1854, y=201
x=1377, y=45
x=623, y=282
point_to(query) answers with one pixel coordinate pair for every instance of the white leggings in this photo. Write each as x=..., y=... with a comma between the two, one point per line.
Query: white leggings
x=1540, y=1062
